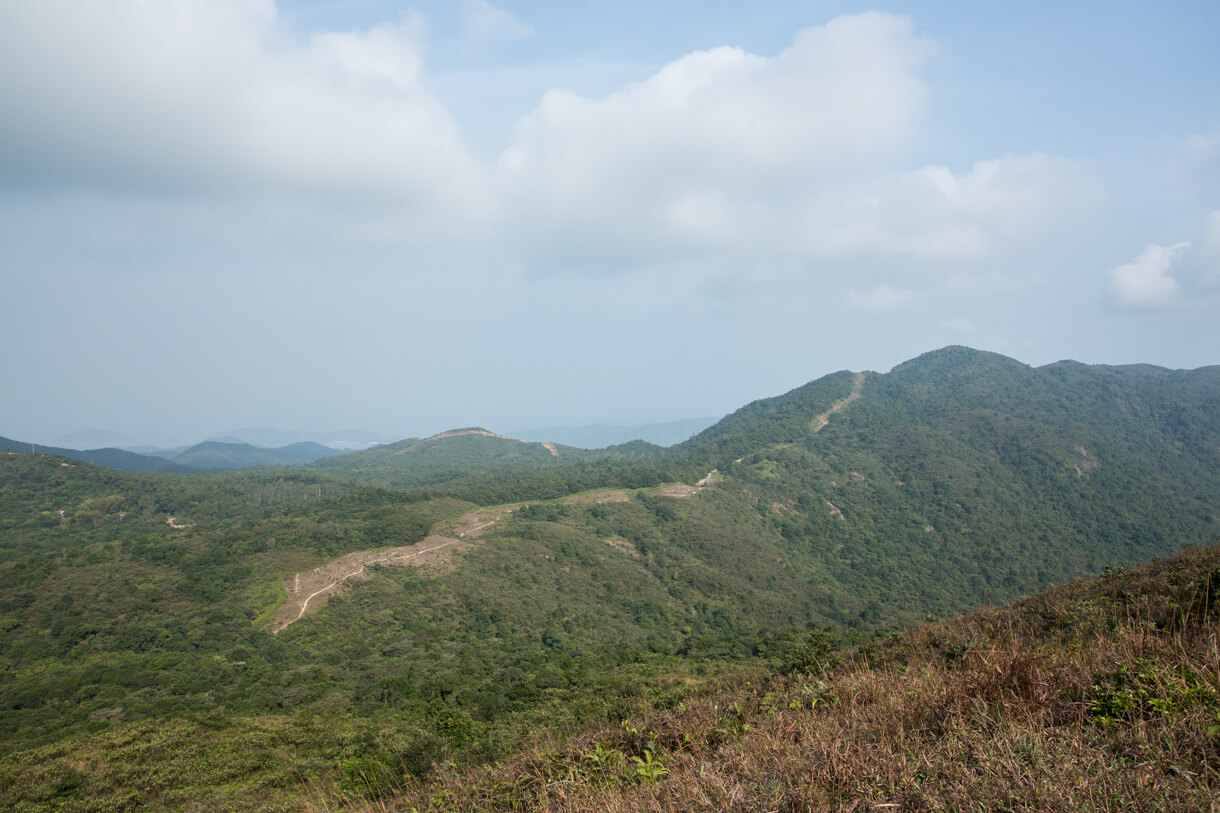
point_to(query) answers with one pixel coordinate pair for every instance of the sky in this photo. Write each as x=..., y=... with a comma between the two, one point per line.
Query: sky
x=405, y=217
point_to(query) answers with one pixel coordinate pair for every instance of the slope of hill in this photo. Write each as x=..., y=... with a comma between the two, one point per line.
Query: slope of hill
x=215, y=455
x=1101, y=695
x=599, y=436
x=137, y=603
x=474, y=459
x=111, y=458
x=969, y=475
x=268, y=438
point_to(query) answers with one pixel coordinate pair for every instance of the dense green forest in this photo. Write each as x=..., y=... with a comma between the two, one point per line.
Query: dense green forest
x=839, y=511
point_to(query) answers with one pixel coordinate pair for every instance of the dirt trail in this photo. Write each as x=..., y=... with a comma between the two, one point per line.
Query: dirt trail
x=312, y=589
x=857, y=385
x=819, y=423
x=683, y=490
x=597, y=497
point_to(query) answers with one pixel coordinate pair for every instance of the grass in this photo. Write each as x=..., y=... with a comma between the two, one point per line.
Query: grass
x=204, y=763
x=1101, y=695
x=273, y=595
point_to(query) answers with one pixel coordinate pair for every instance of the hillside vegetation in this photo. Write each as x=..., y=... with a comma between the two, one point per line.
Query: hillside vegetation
x=1101, y=695
x=135, y=608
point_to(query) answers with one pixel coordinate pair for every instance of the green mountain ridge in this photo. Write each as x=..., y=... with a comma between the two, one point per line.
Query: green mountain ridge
x=217, y=455
x=112, y=458
x=855, y=503
x=472, y=454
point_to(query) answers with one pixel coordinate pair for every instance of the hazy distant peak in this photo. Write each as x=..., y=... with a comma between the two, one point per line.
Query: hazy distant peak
x=472, y=430
x=600, y=436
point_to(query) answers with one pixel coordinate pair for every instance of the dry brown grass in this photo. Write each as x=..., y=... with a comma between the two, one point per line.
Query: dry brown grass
x=1091, y=696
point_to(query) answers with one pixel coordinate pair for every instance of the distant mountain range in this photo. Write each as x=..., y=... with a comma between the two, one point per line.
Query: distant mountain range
x=599, y=436
x=206, y=456
x=453, y=449
x=215, y=455
x=345, y=440
x=111, y=458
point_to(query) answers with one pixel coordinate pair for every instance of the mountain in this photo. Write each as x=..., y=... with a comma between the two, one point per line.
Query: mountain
x=215, y=455
x=497, y=467
x=157, y=451
x=968, y=474
x=440, y=601
x=1033, y=706
x=112, y=458
x=598, y=436
x=273, y=438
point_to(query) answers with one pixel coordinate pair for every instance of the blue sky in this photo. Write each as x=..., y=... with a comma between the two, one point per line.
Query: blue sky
x=405, y=217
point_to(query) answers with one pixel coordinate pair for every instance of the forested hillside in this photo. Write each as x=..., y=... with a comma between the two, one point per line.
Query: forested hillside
x=216, y=455
x=1101, y=695
x=574, y=587
x=112, y=458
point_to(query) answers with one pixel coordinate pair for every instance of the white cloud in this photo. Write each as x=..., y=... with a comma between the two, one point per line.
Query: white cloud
x=935, y=215
x=714, y=140
x=790, y=161
x=1146, y=281
x=209, y=96
x=790, y=158
x=485, y=23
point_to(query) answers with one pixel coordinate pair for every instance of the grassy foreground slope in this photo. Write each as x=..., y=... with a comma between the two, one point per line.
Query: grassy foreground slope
x=1099, y=695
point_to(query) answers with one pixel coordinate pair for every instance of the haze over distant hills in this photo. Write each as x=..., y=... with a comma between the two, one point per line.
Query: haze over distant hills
x=345, y=440
x=206, y=456
x=120, y=459
x=94, y=438
x=599, y=436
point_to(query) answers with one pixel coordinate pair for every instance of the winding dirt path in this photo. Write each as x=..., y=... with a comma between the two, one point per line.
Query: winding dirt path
x=310, y=590
x=819, y=423
x=857, y=385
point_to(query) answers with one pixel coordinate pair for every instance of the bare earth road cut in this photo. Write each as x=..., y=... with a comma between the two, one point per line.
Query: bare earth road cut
x=312, y=589
x=857, y=385
x=597, y=497
x=819, y=423
x=683, y=490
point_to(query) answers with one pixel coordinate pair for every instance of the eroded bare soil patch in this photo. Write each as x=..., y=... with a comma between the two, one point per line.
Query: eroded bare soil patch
x=597, y=497
x=857, y=385
x=311, y=589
